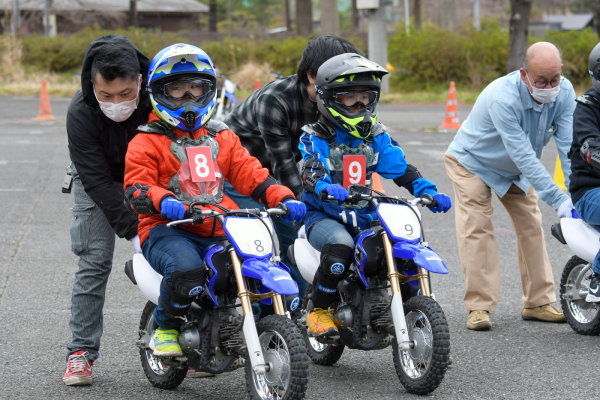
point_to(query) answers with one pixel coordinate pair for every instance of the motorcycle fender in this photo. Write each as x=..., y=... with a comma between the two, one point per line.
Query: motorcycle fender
x=148, y=280
x=424, y=257
x=307, y=259
x=272, y=276
x=581, y=238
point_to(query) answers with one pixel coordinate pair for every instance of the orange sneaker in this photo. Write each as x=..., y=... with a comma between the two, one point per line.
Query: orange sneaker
x=320, y=323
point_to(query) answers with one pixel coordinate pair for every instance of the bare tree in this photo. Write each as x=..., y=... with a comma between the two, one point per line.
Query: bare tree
x=520, y=10
x=304, y=17
x=288, y=21
x=212, y=15
x=597, y=18
x=133, y=19
x=417, y=13
x=330, y=20
x=354, y=17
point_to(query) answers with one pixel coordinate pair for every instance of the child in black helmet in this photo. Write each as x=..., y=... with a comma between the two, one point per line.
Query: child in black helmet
x=345, y=147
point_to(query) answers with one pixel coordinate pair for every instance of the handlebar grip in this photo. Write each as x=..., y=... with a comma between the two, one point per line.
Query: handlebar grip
x=325, y=196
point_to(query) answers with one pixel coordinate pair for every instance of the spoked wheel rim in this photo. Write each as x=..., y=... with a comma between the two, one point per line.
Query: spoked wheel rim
x=582, y=311
x=417, y=360
x=315, y=344
x=155, y=364
x=274, y=383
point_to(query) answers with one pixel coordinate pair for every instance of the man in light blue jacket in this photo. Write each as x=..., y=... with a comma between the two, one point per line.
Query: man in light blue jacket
x=498, y=148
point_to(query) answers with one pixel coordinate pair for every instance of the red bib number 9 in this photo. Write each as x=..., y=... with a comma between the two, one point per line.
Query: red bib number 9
x=355, y=170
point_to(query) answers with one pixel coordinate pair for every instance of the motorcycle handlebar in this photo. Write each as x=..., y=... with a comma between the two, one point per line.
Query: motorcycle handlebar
x=197, y=216
x=426, y=200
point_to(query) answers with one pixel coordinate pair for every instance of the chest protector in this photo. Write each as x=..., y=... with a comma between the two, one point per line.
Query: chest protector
x=338, y=151
x=199, y=179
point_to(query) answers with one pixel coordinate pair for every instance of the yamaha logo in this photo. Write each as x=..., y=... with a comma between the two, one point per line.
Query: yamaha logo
x=294, y=304
x=337, y=268
x=195, y=291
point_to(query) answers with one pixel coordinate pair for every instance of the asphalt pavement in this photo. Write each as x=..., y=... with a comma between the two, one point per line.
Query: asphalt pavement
x=515, y=360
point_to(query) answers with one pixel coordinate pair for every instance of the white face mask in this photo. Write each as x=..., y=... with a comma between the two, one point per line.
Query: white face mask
x=544, y=95
x=118, y=112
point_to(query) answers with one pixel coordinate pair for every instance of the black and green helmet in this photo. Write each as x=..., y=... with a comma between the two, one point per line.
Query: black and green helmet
x=344, y=73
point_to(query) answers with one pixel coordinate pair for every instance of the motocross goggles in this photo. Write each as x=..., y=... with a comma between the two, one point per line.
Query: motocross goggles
x=356, y=99
x=200, y=90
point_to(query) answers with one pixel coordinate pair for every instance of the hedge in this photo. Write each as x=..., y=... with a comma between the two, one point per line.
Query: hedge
x=423, y=59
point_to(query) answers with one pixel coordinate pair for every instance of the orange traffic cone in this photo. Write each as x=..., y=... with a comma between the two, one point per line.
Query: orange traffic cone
x=377, y=183
x=451, y=121
x=256, y=84
x=45, y=110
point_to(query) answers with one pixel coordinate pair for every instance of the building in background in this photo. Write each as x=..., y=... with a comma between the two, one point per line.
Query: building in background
x=68, y=16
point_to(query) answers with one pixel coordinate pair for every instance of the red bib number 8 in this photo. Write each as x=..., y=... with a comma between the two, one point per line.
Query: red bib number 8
x=355, y=170
x=201, y=164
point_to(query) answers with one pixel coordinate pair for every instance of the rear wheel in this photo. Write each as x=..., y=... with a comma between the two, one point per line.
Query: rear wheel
x=158, y=373
x=582, y=316
x=285, y=355
x=422, y=367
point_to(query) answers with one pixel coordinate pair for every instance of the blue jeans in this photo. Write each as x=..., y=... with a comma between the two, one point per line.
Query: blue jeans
x=286, y=234
x=168, y=250
x=329, y=231
x=93, y=241
x=588, y=207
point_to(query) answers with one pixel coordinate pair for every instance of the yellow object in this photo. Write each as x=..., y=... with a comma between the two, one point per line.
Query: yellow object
x=320, y=323
x=390, y=67
x=559, y=177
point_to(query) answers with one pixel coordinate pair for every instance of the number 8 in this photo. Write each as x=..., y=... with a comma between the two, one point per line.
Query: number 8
x=201, y=166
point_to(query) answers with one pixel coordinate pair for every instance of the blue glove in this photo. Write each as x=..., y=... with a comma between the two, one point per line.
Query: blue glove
x=172, y=208
x=337, y=191
x=297, y=210
x=443, y=203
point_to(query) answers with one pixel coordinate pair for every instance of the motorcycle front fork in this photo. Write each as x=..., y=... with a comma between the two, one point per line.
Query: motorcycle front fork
x=404, y=342
x=249, y=328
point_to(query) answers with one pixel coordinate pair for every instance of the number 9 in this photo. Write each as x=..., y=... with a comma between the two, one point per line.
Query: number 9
x=354, y=172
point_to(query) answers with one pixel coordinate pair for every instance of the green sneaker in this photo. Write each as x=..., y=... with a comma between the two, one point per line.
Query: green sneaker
x=165, y=343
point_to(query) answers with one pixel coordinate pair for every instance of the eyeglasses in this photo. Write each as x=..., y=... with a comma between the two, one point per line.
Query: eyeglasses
x=543, y=84
x=195, y=88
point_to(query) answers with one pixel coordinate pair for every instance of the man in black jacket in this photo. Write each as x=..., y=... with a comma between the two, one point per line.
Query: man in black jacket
x=269, y=124
x=585, y=161
x=102, y=118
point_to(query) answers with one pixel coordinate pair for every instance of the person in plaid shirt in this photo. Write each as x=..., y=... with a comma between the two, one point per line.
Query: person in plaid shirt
x=269, y=124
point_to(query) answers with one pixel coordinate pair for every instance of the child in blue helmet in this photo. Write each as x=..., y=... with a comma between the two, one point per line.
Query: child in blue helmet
x=346, y=146
x=180, y=157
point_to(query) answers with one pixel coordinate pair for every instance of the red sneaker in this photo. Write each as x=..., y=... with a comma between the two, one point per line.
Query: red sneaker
x=79, y=369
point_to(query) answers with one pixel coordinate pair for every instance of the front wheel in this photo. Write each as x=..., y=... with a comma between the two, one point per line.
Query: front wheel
x=582, y=316
x=422, y=368
x=159, y=374
x=285, y=354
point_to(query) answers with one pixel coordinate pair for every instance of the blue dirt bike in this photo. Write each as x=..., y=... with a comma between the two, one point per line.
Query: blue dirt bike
x=386, y=297
x=219, y=333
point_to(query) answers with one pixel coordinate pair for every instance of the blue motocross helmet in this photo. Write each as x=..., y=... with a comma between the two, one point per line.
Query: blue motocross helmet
x=182, y=84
